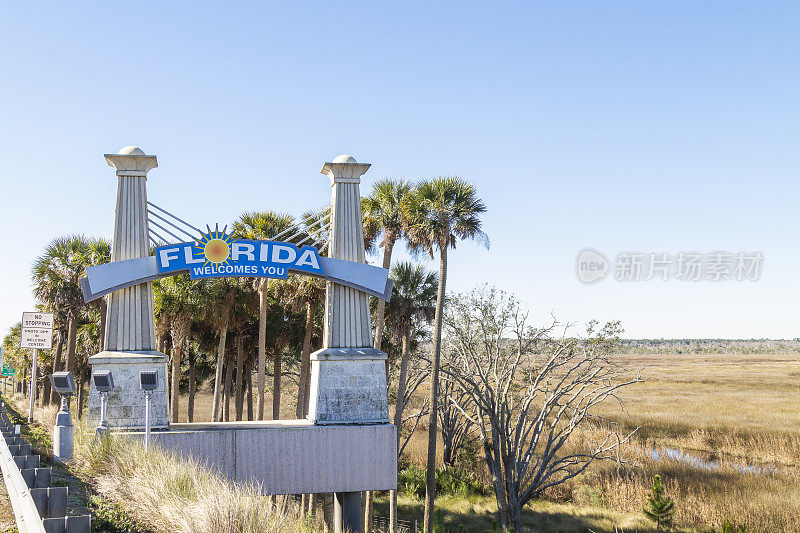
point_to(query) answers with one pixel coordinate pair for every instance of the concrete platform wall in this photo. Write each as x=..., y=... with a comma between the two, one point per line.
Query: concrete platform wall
x=293, y=456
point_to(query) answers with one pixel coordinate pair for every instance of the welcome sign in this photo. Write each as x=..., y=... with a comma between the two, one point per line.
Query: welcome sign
x=217, y=255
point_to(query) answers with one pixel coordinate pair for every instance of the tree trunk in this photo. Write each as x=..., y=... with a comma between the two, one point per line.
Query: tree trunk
x=430, y=488
x=227, y=385
x=248, y=374
x=312, y=505
x=72, y=330
x=304, y=386
x=392, y=511
x=239, y=377
x=379, y=322
x=398, y=418
x=447, y=452
x=327, y=511
x=515, y=514
x=368, y=507
x=262, y=347
x=81, y=379
x=44, y=397
x=491, y=454
x=57, y=362
x=276, y=384
x=401, y=383
x=192, y=377
x=103, y=311
x=177, y=350
x=223, y=335
x=381, y=310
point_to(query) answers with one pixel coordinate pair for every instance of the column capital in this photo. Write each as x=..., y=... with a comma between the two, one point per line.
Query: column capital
x=344, y=169
x=131, y=161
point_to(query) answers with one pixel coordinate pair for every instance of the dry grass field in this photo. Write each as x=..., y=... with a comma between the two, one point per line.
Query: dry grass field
x=736, y=419
x=747, y=395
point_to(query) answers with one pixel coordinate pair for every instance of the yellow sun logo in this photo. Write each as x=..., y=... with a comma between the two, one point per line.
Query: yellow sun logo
x=215, y=246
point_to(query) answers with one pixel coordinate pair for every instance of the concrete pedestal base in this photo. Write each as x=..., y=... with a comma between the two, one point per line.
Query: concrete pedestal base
x=126, y=403
x=63, y=441
x=348, y=386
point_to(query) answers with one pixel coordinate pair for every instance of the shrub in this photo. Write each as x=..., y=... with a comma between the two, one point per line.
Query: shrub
x=411, y=480
x=449, y=480
x=730, y=527
x=108, y=516
x=457, y=480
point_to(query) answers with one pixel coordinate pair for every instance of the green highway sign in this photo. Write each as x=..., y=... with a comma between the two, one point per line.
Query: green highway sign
x=8, y=372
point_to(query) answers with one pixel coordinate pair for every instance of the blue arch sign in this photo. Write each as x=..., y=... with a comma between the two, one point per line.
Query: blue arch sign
x=218, y=255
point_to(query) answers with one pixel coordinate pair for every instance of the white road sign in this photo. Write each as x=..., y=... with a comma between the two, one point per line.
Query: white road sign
x=36, y=338
x=37, y=320
x=37, y=330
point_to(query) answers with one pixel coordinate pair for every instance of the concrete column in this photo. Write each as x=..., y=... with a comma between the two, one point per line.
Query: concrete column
x=130, y=339
x=347, y=319
x=347, y=512
x=129, y=319
x=348, y=377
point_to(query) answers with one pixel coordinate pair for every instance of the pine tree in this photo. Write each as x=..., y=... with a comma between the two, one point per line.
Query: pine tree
x=661, y=508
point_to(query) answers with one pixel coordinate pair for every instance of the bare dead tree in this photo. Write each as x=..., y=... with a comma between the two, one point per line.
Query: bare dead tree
x=456, y=428
x=418, y=371
x=531, y=389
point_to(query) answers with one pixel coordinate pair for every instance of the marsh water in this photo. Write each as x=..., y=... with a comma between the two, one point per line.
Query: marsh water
x=707, y=461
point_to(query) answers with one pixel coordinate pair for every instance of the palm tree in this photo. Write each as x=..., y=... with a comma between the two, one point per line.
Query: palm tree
x=384, y=213
x=13, y=355
x=263, y=225
x=298, y=294
x=98, y=253
x=178, y=297
x=219, y=299
x=59, y=334
x=56, y=277
x=442, y=211
x=413, y=303
x=242, y=326
x=89, y=340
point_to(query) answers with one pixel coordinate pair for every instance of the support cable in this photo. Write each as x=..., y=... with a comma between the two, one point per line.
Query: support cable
x=156, y=224
x=193, y=237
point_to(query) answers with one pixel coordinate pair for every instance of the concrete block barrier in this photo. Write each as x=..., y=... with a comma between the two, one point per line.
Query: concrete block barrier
x=38, y=507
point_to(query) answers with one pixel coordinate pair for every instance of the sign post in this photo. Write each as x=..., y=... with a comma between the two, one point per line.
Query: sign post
x=37, y=333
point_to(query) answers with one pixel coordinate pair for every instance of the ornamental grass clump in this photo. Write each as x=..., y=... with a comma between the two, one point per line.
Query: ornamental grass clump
x=175, y=494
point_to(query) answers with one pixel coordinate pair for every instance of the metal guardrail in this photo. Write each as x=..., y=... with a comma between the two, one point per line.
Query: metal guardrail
x=38, y=508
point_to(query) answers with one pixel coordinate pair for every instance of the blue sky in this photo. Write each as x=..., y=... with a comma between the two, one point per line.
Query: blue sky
x=621, y=126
